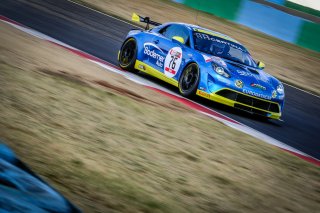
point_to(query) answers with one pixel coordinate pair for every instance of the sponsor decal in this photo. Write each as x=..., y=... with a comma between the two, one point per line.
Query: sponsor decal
x=239, y=83
x=214, y=59
x=172, y=62
x=153, y=45
x=159, y=64
x=216, y=39
x=217, y=34
x=202, y=88
x=244, y=73
x=203, y=94
x=206, y=58
x=274, y=94
x=258, y=86
x=142, y=67
x=259, y=95
x=149, y=49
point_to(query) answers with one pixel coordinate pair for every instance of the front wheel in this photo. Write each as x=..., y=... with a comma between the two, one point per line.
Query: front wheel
x=189, y=80
x=128, y=55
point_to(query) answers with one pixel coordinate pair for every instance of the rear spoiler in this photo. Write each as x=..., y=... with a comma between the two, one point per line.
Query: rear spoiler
x=147, y=20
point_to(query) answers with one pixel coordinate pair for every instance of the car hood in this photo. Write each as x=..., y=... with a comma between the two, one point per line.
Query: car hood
x=251, y=76
x=254, y=79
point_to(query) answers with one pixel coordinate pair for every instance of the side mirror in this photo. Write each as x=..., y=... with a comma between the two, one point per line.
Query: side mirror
x=261, y=65
x=178, y=39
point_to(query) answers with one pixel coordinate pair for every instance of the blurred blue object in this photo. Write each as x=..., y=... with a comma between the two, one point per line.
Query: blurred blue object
x=270, y=21
x=21, y=190
x=280, y=2
x=287, y=25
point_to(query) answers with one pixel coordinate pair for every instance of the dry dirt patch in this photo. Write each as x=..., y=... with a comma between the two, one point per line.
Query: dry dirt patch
x=110, y=149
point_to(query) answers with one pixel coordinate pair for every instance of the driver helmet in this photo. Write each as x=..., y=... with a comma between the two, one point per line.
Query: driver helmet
x=217, y=48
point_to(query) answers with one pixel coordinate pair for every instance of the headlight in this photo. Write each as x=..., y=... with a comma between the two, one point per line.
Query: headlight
x=220, y=71
x=280, y=89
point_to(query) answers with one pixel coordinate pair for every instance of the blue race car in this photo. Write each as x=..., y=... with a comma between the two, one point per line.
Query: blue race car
x=203, y=62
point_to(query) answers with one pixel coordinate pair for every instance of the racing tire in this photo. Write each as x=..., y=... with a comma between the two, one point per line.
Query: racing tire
x=128, y=55
x=189, y=80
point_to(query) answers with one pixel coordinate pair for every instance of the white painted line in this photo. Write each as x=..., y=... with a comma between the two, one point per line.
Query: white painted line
x=259, y=135
x=104, y=14
x=317, y=96
x=38, y=34
x=302, y=90
x=130, y=76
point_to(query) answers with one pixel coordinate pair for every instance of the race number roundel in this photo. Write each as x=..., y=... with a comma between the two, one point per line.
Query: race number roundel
x=172, y=62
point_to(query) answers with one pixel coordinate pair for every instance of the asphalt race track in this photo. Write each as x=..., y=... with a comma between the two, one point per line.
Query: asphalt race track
x=101, y=36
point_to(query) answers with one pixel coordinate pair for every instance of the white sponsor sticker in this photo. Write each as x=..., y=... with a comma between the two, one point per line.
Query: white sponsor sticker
x=172, y=62
x=206, y=58
x=259, y=95
x=153, y=53
x=214, y=59
x=218, y=40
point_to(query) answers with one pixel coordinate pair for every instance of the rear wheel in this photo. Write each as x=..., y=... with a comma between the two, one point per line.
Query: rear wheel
x=128, y=55
x=189, y=80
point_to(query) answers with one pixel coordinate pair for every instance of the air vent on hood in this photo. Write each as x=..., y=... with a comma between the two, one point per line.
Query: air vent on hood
x=236, y=64
x=253, y=71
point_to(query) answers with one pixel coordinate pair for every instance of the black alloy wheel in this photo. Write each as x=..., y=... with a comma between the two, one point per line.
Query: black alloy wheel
x=189, y=80
x=128, y=55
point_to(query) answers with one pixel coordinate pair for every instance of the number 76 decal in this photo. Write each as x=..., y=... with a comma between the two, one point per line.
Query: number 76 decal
x=172, y=62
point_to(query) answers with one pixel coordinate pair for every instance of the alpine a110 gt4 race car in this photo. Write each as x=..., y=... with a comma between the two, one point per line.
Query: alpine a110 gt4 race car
x=203, y=62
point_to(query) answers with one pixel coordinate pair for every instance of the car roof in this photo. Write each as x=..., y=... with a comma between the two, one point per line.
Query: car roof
x=197, y=28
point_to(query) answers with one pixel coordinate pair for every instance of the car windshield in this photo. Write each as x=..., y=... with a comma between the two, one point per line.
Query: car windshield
x=222, y=48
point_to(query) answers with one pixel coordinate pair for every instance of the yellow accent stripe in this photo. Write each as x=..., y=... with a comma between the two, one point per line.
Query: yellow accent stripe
x=217, y=35
x=228, y=102
x=139, y=65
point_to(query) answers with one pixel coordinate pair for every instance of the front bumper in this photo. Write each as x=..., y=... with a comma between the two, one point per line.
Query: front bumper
x=244, y=102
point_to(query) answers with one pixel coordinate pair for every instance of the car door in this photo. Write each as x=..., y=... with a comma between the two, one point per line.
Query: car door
x=168, y=53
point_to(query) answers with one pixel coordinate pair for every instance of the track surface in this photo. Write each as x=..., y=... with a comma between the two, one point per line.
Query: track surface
x=101, y=36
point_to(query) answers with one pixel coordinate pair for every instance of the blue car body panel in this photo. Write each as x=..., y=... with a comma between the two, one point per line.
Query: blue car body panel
x=257, y=95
